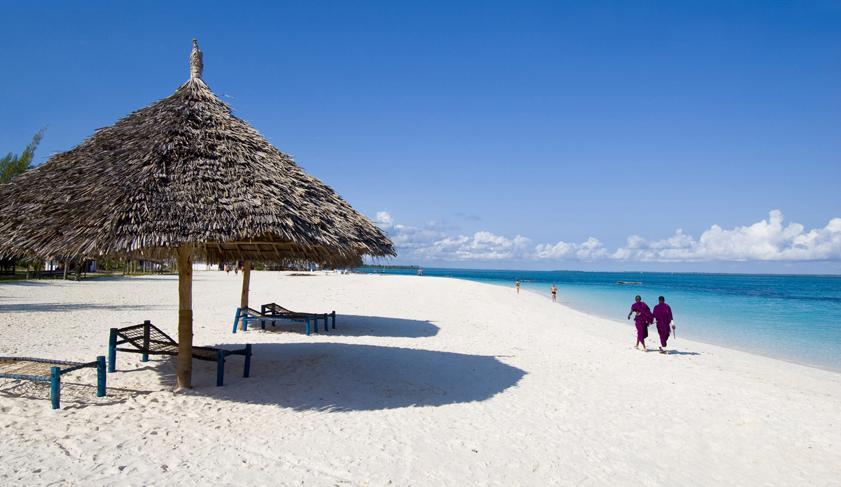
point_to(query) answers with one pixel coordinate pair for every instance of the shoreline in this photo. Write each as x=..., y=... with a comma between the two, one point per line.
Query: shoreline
x=793, y=355
x=709, y=343
x=630, y=328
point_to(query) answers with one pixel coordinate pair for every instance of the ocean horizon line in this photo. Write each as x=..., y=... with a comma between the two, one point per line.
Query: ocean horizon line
x=496, y=269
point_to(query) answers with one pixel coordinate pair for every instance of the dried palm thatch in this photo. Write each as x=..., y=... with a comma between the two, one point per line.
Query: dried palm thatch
x=182, y=177
x=182, y=171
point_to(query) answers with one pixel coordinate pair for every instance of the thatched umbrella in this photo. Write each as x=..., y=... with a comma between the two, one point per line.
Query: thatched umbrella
x=182, y=177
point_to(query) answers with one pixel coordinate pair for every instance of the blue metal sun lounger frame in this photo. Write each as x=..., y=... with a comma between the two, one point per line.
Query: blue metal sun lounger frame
x=147, y=339
x=273, y=313
x=275, y=310
x=57, y=369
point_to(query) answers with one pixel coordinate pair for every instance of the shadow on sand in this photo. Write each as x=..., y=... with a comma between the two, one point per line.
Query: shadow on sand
x=678, y=352
x=363, y=326
x=92, y=278
x=344, y=377
x=671, y=352
x=22, y=282
x=147, y=277
x=63, y=307
x=73, y=395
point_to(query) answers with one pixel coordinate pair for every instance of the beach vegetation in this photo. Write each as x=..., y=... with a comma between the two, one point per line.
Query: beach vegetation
x=12, y=165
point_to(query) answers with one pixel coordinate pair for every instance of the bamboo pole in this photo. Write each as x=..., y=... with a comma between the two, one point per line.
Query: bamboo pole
x=184, y=371
x=246, y=280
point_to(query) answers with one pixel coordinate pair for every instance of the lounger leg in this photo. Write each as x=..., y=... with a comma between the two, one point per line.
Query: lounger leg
x=220, y=368
x=246, y=371
x=55, y=387
x=112, y=350
x=333, y=316
x=100, y=376
x=245, y=321
x=147, y=329
x=263, y=324
x=236, y=321
x=308, y=326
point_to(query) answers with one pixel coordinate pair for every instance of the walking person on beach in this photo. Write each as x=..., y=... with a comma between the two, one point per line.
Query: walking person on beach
x=663, y=315
x=642, y=319
x=554, y=290
x=517, y=285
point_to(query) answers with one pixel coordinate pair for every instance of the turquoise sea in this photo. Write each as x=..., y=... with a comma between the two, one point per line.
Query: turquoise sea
x=790, y=317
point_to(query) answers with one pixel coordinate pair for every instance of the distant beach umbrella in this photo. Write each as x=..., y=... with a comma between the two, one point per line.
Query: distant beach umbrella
x=182, y=178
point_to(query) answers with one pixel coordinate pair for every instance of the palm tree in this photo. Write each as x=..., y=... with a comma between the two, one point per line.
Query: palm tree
x=12, y=165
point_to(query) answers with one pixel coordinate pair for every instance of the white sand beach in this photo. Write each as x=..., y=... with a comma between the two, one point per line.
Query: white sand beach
x=425, y=381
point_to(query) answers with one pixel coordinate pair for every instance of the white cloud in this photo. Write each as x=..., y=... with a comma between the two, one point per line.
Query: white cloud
x=560, y=250
x=480, y=246
x=433, y=242
x=766, y=240
x=591, y=249
x=384, y=219
x=409, y=240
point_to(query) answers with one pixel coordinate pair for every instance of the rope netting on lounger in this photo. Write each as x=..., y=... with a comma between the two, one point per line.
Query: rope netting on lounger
x=47, y=370
x=147, y=339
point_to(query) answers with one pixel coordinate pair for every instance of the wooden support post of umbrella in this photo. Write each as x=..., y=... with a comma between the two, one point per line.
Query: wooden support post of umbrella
x=246, y=281
x=184, y=374
x=182, y=178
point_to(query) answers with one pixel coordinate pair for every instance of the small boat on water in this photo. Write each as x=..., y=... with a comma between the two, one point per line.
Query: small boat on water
x=625, y=283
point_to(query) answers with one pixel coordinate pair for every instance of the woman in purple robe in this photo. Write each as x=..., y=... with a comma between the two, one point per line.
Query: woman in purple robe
x=663, y=315
x=642, y=319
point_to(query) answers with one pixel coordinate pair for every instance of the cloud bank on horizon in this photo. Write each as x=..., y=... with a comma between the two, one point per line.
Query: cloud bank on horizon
x=767, y=240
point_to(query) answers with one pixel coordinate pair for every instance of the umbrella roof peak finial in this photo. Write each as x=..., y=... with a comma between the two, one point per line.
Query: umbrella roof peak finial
x=196, y=63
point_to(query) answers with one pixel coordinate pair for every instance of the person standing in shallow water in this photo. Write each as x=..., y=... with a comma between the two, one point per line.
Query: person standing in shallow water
x=517, y=286
x=663, y=315
x=554, y=290
x=642, y=319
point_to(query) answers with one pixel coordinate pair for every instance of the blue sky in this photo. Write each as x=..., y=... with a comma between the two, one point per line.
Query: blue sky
x=493, y=134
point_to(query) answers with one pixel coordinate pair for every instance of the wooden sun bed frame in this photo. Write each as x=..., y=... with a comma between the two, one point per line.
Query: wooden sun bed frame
x=274, y=312
x=46, y=370
x=147, y=339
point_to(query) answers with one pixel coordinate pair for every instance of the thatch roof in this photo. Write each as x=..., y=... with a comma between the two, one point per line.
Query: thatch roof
x=182, y=171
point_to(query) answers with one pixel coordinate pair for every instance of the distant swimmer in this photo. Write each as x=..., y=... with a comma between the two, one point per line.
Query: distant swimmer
x=663, y=315
x=517, y=286
x=642, y=319
x=554, y=290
